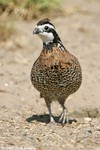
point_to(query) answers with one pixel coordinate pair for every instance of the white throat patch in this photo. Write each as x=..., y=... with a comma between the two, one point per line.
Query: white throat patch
x=46, y=37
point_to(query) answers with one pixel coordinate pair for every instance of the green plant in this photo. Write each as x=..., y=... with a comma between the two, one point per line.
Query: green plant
x=30, y=8
x=7, y=2
x=42, y=4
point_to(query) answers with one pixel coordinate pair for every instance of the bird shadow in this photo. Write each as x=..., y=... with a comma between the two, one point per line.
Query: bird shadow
x=45, y=118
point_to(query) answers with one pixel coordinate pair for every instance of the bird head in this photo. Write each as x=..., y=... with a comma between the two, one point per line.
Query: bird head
x=46, y=31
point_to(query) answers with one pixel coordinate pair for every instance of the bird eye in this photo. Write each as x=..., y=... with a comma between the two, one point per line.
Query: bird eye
x=46, y=27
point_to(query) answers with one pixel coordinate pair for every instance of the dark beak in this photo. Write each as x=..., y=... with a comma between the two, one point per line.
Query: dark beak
x=36, y=31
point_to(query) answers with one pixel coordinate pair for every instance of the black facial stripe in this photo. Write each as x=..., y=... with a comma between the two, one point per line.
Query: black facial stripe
x=43, y=23
x=56, y=37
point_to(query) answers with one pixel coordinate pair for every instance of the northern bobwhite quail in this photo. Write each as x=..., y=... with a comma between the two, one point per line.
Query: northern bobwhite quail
x=56, y=73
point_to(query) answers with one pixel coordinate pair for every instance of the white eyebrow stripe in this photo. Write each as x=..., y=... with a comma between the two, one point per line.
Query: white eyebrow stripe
x=42, y=26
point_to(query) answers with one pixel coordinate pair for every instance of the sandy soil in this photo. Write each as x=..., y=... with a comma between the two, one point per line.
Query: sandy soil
x=23, y=115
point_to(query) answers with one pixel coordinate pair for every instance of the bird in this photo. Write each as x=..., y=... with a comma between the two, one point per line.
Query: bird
x=56, y=73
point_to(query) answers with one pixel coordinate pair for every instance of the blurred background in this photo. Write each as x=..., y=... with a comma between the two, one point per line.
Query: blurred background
x=78, y=24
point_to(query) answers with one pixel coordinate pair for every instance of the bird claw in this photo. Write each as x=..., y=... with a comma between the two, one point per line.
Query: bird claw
x=63, y=118
x=52, y=120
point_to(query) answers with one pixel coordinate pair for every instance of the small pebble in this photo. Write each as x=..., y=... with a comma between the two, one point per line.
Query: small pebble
x=6, y=84
x=97, y=128
x=93, y=112
x=87, y=119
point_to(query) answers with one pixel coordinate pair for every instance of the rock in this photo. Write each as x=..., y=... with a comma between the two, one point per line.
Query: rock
x=93, y=112
x=87, y=120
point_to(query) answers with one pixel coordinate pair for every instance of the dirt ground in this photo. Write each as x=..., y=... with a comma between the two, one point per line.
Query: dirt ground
x=23, y=115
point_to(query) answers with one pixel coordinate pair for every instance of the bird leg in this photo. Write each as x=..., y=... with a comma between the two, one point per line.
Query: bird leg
x=64, y=115
x=48, y=103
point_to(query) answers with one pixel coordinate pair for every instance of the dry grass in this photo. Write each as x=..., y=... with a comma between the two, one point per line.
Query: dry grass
x=6, y=30
x=29, y=9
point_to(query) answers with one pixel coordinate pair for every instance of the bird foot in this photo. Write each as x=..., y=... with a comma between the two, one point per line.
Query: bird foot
x=64, y=118
x=52, y=120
